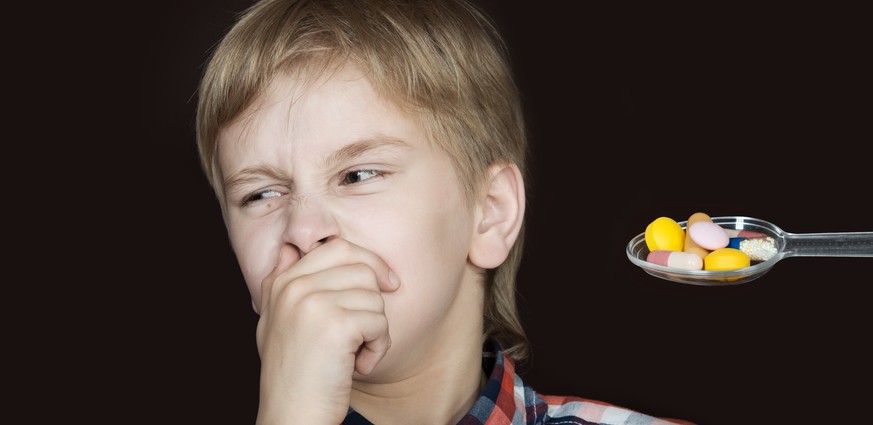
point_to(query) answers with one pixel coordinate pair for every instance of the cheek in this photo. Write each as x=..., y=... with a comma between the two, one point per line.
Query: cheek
x=425, y=240
x=430, y=258
x=417, y=234
x=433, y=255
x=256, y=247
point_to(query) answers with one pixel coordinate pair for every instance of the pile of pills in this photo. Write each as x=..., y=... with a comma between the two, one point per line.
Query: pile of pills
x=705, y=245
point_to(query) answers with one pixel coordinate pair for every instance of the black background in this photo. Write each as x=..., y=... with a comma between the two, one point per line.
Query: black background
x=634, y=112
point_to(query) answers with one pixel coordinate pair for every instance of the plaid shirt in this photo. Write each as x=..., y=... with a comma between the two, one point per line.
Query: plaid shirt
x=507, y=400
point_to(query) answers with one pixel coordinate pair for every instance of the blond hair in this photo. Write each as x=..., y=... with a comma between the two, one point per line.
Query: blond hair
x=444, y=60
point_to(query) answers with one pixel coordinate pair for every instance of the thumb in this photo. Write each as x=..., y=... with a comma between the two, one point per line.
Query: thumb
x=286, y=257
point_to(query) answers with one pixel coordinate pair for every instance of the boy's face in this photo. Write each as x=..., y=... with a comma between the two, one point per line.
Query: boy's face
x=334, y=160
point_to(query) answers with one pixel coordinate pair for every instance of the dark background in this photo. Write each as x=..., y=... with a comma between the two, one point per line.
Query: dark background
x=634, y=112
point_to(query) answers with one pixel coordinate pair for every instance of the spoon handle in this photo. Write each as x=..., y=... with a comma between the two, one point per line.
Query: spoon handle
x=834, y=244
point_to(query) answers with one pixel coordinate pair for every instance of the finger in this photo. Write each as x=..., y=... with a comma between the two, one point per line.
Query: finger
x=337, y=252
x=266, y=291
x=340, y=278
x=351, y=288
x=326, y=306
x=285, y=259
x=322, y=285
x=377, y=341
x=352, y=299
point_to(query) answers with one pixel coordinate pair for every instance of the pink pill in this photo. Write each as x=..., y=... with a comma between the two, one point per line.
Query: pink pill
x=708, y=235
x=734, y=233
x=675, y=259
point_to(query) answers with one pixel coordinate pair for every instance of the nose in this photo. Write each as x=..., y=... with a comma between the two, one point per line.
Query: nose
x=308, y=224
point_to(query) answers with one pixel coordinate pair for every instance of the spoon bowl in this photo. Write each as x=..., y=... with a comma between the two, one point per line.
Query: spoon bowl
x=833, y=244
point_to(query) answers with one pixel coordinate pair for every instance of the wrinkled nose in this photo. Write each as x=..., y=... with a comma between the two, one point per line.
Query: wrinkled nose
x=309, y=224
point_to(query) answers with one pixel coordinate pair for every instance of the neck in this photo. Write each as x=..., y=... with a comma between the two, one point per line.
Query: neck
x=444, y=381
x=440, y=395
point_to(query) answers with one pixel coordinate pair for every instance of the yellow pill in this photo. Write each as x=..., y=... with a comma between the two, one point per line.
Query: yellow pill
x=664, y=233
x=726, y=259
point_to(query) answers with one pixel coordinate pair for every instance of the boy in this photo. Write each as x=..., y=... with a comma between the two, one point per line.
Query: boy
x=369, y=160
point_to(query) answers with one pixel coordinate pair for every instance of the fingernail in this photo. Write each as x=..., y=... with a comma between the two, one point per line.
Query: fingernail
x=395, y=280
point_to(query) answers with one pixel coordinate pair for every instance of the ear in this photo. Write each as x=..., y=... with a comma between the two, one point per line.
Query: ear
x=499, y=216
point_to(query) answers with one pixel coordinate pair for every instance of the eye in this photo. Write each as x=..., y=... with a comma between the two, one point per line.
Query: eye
x=357, y=176
x=257, y=196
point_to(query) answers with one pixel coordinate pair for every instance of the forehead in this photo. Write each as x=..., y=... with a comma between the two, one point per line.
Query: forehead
x=315, y=114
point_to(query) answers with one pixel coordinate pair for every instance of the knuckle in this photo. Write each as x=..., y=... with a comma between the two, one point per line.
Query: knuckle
x=340, y=326
x=366, y=276
x=294, y=294
x=341, y=246
x=376, y=301
x=361, y=268
x=310, y=304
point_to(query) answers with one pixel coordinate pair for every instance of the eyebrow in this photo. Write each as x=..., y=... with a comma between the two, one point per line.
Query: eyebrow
x=361, y=147
x=350, y=151
x=250, y=174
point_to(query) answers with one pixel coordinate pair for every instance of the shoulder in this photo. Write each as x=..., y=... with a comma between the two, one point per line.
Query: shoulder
x=576, y=410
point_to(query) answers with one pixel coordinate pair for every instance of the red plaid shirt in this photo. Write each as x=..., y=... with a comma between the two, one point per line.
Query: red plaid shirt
x=507, y=400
